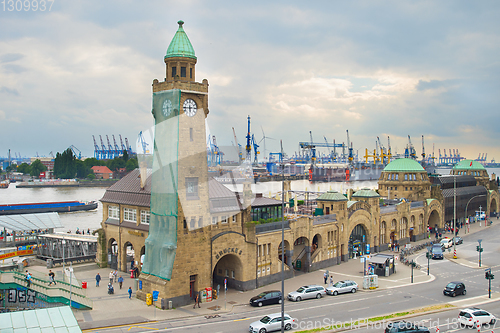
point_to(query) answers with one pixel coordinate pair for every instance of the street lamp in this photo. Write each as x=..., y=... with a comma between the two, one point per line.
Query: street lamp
x=479, y=249
x=428, y=255
x=476, y=196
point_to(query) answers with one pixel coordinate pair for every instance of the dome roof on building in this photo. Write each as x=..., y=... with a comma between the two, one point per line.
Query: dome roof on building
x=404, y=165
x=468, y=165
x=366, y=193
x=180, y=46
x=331, y=196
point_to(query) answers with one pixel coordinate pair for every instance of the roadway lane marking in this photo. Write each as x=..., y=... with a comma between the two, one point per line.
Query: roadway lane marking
x=148, y=328
x=357, y=309
x=241, y=319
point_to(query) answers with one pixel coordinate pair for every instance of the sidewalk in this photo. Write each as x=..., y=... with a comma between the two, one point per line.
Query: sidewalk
x=118, y=309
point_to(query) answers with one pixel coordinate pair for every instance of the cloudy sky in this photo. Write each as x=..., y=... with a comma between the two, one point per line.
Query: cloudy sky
x=375, y=68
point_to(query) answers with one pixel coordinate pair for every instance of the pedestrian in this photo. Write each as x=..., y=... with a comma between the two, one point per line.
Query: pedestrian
x=331, y=280
x=196, y=300
x=97, y=280
x=115, y=274
x=325, y=277
x=120, y=281
x=52, y=278
x=28, y=279
x=111, y=276
x=88, y=231
x=129, y=292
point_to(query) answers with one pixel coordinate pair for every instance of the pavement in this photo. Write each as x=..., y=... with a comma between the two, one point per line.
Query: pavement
x=118, y=309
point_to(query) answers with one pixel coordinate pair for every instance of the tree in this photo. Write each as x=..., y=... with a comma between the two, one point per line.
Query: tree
x=11, y=168
x=65, y=165
x=125, y=155
x=36, y=168
x=25, y=168
x=116, y=164
x=131, y=164
x=91, y=176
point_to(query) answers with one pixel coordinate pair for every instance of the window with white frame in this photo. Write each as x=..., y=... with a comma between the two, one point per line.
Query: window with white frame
x=223, y=219
x=234, y=218
x=214, y=219
x=145, y=214
x=113, y=212
x=129, y=214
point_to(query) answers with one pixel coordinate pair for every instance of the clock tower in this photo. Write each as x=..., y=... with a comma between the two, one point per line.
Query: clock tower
x=177, y=253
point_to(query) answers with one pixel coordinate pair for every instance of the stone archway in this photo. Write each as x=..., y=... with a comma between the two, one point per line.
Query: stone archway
x=493, y=207
x=288, y=253
x=229, y=268
x=113, y=253
x=434, y=220
x=301, y=254
x=358, y=239
x=316, y=246
x=127, y=255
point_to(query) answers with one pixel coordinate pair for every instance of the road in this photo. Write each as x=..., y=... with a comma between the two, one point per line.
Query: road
x=365, y=304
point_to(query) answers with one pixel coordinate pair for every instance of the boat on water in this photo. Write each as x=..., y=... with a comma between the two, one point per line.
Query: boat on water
x=47, y=207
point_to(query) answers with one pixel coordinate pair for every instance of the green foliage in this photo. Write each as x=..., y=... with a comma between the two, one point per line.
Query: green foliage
x=11, y=168
x=25, y=168
x=125, y=156
x=132, y=164
x=116, y=164
x=65, y=165
x=264, y=221
x=91, y=176
x=36, y=168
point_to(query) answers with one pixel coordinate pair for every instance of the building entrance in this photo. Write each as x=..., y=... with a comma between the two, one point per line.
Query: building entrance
x=357, y=242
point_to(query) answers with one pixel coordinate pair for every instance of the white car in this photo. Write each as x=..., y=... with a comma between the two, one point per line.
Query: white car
x=470, y=317
x=340, y=287
x=306, y=292
x=447, y=242
x=271, y=323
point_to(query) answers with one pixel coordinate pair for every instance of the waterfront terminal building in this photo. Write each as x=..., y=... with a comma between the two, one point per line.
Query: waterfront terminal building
x=187, y=232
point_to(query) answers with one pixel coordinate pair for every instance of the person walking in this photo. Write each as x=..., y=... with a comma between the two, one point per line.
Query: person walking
x=325, y=277
x=129, y=292
x=120, y=281
x=51, y=278
x=28, y=279
x=111, y=276
x=196, y=300
x=97, y=279
x=115, y=275
x=331, y=280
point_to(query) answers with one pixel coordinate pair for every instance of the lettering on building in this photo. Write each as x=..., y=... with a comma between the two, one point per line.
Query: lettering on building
x=228, y=250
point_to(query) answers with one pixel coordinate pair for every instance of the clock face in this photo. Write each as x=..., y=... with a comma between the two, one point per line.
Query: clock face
x=167, y=108
x=189, y=107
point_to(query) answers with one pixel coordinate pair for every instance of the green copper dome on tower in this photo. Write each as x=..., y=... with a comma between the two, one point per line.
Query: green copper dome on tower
x=180, y=46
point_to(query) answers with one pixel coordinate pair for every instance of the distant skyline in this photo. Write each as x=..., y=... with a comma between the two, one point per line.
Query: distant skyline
x=375, y=68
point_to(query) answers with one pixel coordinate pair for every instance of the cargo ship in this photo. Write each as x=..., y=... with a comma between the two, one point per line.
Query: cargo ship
x=47, y=207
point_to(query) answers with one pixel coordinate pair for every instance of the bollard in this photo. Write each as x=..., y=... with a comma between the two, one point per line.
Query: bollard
x=437, y=329
x=478, y=326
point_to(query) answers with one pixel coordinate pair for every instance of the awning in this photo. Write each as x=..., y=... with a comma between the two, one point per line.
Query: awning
x=378, y=259
x=27, y=222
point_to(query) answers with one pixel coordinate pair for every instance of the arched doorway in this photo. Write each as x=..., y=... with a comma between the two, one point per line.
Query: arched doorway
x=412, y=227
x=301, y=253
x=433, y=221
x=113, y=253
x=357, y=241
x=287, y=253
x=228, y=268
x=141, y=259
x=128, y=255
x=317, y=244
x=493, y=207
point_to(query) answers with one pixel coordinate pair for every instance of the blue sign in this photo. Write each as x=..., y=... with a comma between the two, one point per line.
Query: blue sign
x=140, y=284
x=367, y=248
x=155, y=295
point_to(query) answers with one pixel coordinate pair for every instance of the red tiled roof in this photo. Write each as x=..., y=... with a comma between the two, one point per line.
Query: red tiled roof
x=101, y=169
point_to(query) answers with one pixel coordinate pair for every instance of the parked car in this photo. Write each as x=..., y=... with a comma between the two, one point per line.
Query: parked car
x=271, y=323
x=305, y=292
x=437, y=252
x=266, y=298
x=458, y=240
x=446, y=242
x=455, y=288
x=340, y=287
x=404, y=326
x=470, y=316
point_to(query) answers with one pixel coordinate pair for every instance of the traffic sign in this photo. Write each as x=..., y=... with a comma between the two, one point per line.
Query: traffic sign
x=155, y=295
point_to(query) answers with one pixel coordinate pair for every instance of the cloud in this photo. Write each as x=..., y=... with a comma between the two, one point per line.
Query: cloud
x=10, y=57
x=9, y=91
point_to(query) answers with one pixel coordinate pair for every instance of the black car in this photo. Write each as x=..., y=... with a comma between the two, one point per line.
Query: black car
x=458, y=240
x=404, y=326
x=437, y=253
x=455, y=288
x=266, y=298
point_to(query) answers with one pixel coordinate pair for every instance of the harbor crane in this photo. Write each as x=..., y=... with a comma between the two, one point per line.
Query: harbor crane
x=248, y=147
x=118, y=152
x=74, y=150
x=256, y=151
x=111, y=150
x=423, y=150
x=350, y=149
x=143, y=143
x=97, y=150
x=104, y=150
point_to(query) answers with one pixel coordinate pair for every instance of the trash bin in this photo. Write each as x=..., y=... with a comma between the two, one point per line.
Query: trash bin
x=84, y=284
x=298, y=265
x=149, y=299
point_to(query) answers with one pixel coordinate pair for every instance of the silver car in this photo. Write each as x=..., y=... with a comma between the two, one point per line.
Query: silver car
x=271, y=323
x=305, y=292
x=340, y=287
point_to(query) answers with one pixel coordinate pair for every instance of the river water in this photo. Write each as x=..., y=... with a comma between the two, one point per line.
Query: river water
x=93, y=219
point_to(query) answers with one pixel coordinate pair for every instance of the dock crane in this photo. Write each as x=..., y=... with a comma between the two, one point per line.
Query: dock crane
x=97, y=150
x=104, y=150
x=117, y=148
x=248, y=147
x=237, y=147
x=143, y=143
x=423, y=150
x=256, y=151
x=350, y=157
x=111, y=150
x=75, y=150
